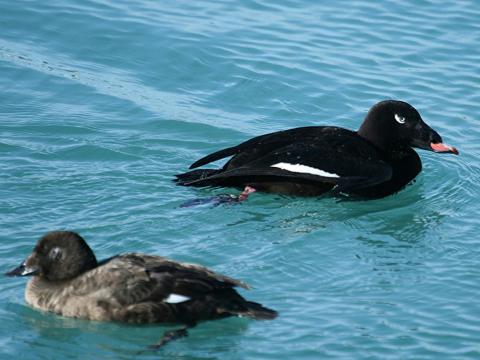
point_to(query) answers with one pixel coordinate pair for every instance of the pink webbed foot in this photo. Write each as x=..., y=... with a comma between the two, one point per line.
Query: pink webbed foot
x=246, y=192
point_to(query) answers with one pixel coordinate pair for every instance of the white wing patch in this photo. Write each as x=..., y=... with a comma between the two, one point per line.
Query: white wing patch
x=304, y=169
x=176, y=298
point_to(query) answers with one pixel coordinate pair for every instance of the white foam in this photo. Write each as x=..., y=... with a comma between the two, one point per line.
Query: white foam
x=176, y=298
x=304, y=169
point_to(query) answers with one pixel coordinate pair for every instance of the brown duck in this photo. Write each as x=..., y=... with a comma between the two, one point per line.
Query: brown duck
x=131, y=288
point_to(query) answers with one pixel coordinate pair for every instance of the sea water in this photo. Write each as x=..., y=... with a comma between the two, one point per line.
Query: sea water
x=103, y=101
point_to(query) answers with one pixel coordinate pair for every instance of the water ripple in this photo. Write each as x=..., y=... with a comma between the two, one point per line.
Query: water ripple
x=103, y=101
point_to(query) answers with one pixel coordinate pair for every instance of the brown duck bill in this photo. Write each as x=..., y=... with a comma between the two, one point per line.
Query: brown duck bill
x=23, y=270
x=443, y=148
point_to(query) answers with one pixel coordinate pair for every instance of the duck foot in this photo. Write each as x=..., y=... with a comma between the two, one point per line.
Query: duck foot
x=170, y=336
x=245, y=193
x=220, y=199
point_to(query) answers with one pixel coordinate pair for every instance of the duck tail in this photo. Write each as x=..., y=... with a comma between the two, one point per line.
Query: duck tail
x=189, y=178
x=257, y=311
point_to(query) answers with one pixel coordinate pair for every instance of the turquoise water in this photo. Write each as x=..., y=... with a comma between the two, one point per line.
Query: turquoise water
x=102, y=102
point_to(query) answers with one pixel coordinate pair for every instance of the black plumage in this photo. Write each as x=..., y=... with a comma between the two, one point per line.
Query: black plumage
x=375, y=161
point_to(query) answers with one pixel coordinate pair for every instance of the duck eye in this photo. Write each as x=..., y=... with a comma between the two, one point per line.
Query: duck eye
x=400, y=119
x=55, y=253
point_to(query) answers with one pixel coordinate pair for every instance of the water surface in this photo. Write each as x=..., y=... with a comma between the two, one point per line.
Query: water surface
x=104, y=101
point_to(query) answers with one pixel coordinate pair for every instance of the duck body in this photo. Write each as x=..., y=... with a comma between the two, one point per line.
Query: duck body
x=137, y=288
x=373, y=162
x=130, y=288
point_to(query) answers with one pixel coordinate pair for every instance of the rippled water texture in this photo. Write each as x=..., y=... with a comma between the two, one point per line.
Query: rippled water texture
x=102, y=102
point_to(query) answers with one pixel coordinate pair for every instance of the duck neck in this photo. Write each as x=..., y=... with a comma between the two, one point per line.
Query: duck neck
x=382, y=140
x=39, y=290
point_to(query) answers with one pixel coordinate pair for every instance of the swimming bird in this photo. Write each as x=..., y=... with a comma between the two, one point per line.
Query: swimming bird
x=375, y=161
x=130, y=288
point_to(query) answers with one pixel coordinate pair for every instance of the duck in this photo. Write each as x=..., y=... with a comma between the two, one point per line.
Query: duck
x=131, y=288
x=373, y=162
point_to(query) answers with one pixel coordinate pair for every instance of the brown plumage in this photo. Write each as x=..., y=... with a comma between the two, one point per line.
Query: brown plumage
x=132, y=288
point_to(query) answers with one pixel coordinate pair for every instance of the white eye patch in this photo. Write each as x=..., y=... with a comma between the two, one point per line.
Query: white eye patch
x=55, y=253
x=400, y=119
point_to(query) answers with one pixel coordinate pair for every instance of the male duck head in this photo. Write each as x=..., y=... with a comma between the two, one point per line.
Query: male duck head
x=392, y=125
x=59, y=255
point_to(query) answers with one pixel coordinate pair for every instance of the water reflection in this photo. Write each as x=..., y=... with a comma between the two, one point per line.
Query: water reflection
x=123, y=341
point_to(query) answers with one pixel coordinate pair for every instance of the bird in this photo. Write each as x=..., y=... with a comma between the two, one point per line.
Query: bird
x=130, y=288
x=375, y=161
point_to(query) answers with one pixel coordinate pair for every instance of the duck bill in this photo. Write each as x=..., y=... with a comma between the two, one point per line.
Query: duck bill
x=443, y=148
x=428, y=139
x=23, y=270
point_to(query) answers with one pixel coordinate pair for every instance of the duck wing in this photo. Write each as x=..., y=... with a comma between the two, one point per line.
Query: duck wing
x=261, y=145
x=139, y=288
x=135, y=278
x=335, y=156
